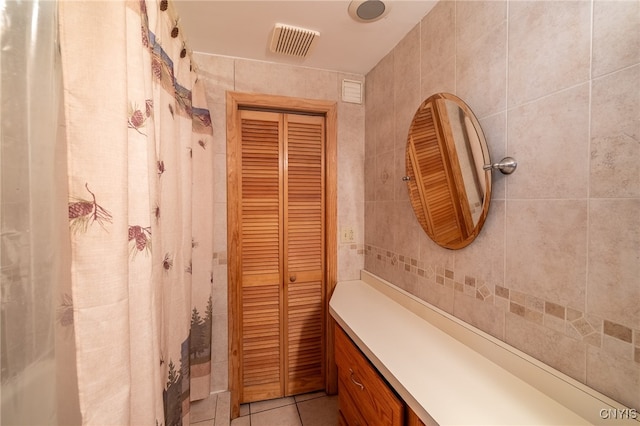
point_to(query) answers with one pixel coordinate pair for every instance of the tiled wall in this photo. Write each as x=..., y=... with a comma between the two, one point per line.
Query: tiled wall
x=556, y=270
x=222, y=74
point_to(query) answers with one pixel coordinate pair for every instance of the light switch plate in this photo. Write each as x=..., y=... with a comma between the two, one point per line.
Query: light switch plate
x=347, y=235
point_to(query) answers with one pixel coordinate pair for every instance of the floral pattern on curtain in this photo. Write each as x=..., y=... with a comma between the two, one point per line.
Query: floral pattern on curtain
x=140, y=213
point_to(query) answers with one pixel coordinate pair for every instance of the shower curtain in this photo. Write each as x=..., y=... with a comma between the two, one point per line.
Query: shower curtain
x=140, y=212
x=32, y=212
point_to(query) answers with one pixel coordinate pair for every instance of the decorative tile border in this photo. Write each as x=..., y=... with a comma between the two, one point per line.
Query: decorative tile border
x=219, y=258
x=358, y=248
x=576, y=324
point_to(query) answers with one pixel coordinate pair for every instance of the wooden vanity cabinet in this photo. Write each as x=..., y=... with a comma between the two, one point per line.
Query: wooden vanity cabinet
x=364, y=398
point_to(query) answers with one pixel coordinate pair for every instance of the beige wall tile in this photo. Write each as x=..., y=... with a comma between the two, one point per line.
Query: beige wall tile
x=373, y=266
x=437, y=51
x=442, y=78
x=616, y=347
x=614, y=260
x=481, y=72
x=351, y=214
x=383, y=106
x=553, y=348
x=406, y=63
x=476, y=19
x=369, y=132
x=384, y=141
x=437, y=40
x=615, y=103
x=370, y=178
x=219, y=121
x=546, y=249
x=550, y=140
x=379, y=215
x=425, y=289
x=615, y=131
x=350, y=262
x=217, y=72
x=549, y=44
x=484, y=258
x=322, y=84
x=405, y=228
x=383, y=222
x=434, y=255
x=484, y=316
x=616, y=35
x=383, y=179
x=219, y=340
x=401, y=191
x=220, y=177
x=269, y=78
x=614, y=376
x=351, y=167
x=219, y=377
x=219, y=294
x=370, y=234
x=219, y=227
x=494, y=128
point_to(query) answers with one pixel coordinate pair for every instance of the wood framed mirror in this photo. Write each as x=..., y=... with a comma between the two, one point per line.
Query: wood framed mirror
x=449, y=190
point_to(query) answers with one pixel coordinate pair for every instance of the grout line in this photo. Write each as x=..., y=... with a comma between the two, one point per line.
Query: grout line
x=455, y=48
x=589, y=162
x=506, y=183
x=296, y=403
x=299, y=415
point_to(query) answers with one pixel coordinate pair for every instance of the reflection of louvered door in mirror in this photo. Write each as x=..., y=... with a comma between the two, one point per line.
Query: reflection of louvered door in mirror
x=281, y=240
x=434, y=189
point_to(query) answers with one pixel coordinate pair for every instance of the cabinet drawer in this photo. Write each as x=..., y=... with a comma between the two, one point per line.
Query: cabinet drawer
x=372, y=397
x=347, y=408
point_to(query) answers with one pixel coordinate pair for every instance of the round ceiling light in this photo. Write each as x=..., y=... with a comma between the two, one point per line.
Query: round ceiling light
x=368, y=10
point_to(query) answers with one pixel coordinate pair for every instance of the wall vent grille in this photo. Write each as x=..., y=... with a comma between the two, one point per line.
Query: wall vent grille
x=293, y=41
x=352, y=91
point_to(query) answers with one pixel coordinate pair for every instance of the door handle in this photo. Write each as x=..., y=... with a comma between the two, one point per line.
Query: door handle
x=292, y=278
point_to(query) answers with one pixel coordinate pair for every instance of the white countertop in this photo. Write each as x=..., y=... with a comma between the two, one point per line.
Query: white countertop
x=440, y=378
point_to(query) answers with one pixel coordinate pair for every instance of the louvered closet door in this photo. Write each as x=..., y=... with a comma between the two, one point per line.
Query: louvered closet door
x=282, y=249
x=261, y=211
x=304, y=248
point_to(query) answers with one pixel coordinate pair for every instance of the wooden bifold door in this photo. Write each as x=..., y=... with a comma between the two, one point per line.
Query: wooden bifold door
x=281, y=242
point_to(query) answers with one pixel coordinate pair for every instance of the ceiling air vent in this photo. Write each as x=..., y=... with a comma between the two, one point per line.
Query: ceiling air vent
x=293, y=41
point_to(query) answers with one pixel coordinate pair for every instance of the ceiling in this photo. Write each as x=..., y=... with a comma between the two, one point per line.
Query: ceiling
x=243, y=28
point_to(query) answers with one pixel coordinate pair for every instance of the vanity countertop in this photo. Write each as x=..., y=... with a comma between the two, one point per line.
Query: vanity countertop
x=442, y=379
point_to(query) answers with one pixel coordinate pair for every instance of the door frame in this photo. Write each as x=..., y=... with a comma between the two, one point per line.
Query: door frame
x=236, y=101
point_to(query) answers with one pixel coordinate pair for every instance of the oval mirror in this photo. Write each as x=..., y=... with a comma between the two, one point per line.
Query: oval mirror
x=448, y=187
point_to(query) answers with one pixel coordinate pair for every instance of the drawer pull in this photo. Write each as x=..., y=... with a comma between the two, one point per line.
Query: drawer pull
x=354, y=381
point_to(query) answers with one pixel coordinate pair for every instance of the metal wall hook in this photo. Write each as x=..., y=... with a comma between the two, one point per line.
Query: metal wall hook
x=406, y=178
x=506, y=166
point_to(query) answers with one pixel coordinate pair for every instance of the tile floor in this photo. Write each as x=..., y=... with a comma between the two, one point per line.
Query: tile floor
x=312, y=409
